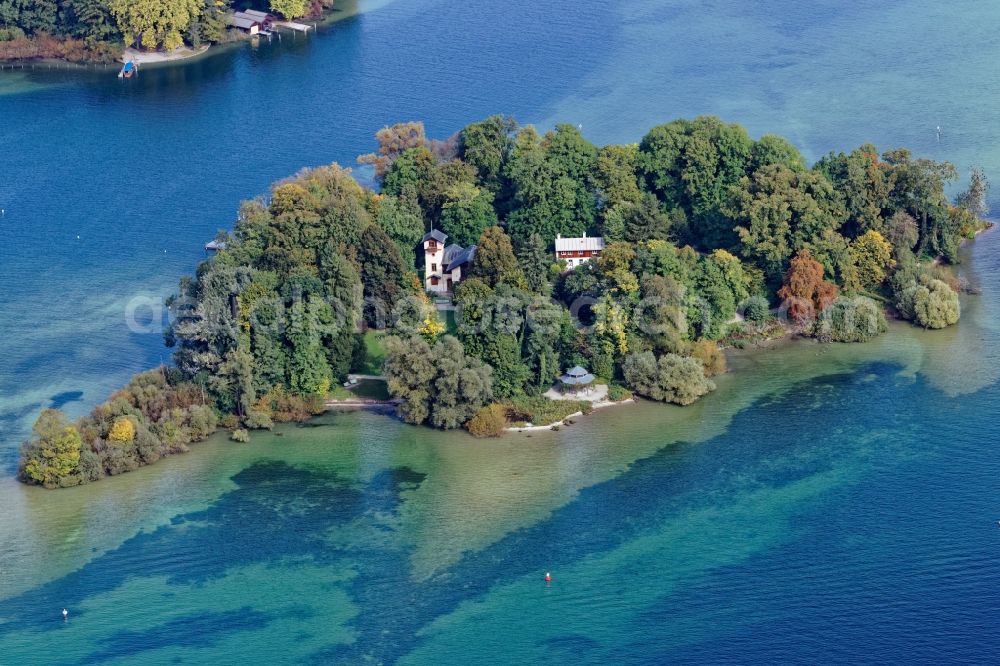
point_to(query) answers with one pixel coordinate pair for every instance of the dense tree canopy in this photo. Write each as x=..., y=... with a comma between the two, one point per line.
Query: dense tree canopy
x=707, y=233
x=440, y=384
x=96, y=30
x=152, y=24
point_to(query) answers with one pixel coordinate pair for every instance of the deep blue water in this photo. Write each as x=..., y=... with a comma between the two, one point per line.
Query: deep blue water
x=843, y=518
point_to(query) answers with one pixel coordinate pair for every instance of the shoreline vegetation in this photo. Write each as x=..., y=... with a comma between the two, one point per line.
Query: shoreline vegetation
x=709, y=239
x=155, y=32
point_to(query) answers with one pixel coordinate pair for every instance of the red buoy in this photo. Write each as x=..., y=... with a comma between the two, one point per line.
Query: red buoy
x=548, y=577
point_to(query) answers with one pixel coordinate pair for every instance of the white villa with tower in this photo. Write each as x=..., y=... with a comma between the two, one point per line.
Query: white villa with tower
x=444, y=264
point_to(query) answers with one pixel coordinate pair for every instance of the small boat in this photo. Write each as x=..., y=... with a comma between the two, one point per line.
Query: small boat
x=128, y=69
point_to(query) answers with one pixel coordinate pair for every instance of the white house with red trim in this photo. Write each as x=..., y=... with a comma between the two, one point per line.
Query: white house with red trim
x=575, y=251
x=444, y=265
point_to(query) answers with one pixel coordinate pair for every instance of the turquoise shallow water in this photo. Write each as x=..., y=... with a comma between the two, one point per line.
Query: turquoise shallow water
x=827, y=504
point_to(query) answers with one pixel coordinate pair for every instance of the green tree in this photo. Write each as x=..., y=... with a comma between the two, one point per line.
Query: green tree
x=864, y=183
x=645, y=221
x=918, y=188
x=308, y=371
x=235, y=376
x=615, y=175
x=440, y=385
x=662, y=313
x=503, y=353
x=552, y=184
x=871, y=254
x=692, y=165
x=773, y=149
x=382, y=273
x=290, y=9
x=720, y=283
x=154, y=23
x=407, y=172
x=433, y=189
x=89, y=19
x=928, y=302
x=535, y=261
x=846, y=319
x=615, y=264
x=401, y=219
x=495, y=262
x=671, y=378
x=467, y=212
x=545, y=321
x=36, y=16
x=901, y=231
x=779, y=211
x=487, y=146
x=474, y=301
x=52, y=455
x=975, y=198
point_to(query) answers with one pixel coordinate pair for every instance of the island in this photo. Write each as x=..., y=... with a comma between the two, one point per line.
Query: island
x=486, y=275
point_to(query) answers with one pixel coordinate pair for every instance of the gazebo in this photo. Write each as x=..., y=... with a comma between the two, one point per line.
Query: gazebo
x=575, y=379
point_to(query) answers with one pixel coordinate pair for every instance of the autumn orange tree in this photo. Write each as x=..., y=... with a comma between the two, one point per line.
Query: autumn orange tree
x=804, y=290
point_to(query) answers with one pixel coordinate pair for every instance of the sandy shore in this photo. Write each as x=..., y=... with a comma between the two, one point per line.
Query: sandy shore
x=156, y=57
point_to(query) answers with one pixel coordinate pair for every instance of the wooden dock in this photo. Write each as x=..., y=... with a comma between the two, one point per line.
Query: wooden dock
x=291, y=25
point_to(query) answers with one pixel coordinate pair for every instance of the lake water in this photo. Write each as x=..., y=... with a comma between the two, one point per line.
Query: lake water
x=826, y=504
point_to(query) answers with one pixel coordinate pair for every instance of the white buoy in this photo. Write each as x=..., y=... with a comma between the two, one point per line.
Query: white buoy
x=65, y=614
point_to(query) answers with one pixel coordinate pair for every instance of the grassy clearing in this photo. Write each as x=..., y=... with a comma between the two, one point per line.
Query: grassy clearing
x=539, y=410
x=372, y=389
x=338, y=392
x=375, y=353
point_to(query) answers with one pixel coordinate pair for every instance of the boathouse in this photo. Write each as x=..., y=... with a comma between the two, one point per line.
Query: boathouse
x=251, y=21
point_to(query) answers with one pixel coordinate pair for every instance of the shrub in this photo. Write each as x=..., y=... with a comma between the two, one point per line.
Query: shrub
x=147, y=445
x=258, y=420
x=90, y=466
x=711, y=357
x=203, y=421
x=929, y=302
x=53, y=452
x=284, y=407
x=240, y=435
x=490, y=421
x=756, y=309
x=671, y=378
x=618, y=393
x=117, y=460
x=11, y=33
x=857, y=319
x=122, y=431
